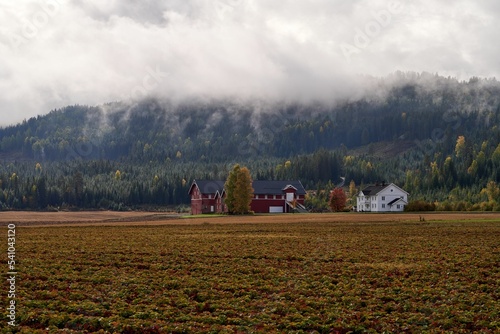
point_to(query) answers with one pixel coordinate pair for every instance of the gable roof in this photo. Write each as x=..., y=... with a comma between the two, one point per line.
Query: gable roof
x=374, y=190
x=208, y=187
x=394, y=201
x=276, y=187
x=259, y=187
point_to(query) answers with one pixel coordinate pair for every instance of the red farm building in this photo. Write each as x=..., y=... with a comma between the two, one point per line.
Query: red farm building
x=203, y=196
x=269, y=197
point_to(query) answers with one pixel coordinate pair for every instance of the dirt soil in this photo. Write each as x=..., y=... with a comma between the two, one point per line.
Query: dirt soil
x=110, y=218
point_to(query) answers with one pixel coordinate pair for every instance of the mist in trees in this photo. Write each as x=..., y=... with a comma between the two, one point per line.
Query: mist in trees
x=436, y=137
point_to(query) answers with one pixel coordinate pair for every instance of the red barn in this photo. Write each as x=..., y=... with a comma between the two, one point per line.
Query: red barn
x=269, y=197
x=203, y=196
x=220, y=206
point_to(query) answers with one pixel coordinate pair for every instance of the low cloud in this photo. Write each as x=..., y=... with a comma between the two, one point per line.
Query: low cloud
x=61, y=52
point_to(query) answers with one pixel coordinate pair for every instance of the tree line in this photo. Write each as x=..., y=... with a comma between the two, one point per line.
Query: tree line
x=465, y=179
x=418, y=108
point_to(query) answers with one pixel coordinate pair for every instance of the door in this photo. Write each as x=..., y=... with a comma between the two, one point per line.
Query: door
x=289, y=197
x=275, y=209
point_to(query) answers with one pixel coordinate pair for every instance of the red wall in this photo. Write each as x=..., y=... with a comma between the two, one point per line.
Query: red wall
x=220, y=205
x=202, y=204
x=208, y=203
x=262, y=205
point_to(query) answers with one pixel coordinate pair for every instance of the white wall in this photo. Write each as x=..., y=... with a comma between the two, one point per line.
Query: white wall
x=390, y=193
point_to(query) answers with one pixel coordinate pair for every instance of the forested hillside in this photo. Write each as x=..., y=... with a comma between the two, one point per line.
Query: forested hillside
x=436, y=136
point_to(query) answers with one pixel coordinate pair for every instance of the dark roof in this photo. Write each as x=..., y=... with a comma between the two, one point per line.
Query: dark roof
x=276, y=187
x=396, y=200
x=208, y=187
x=372, y=190
x=259, y=187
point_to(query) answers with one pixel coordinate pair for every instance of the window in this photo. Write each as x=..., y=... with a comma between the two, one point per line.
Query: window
x=383, y=206
x=383, y=198
x=398, y=206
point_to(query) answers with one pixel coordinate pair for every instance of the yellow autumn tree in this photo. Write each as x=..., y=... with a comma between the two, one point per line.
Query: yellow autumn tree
x=460, y=146
x=492, y=191
x=239, y=191
x=230, y=188
x=244, y=191
x=352, y=189
x=496, y=155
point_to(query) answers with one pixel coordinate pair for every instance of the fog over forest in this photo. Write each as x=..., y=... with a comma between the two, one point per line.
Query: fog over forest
x=65, y=52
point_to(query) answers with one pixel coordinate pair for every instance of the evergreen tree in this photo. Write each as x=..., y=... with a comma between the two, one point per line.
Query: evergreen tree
x=78, y=185
x=42, y=193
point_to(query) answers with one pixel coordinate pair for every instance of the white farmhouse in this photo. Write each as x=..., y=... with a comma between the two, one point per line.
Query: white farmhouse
x=382, y=198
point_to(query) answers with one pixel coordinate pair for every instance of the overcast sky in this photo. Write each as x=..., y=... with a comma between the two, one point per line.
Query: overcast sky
x=61, y=52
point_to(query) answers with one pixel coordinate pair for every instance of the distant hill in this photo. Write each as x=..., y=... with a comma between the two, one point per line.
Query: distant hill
x=436, y=137
x=406, y=107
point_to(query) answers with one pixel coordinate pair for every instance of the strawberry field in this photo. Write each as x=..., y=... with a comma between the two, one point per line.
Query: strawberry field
x=270, y=278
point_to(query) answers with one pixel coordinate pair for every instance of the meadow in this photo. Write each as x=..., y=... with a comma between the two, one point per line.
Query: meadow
x=307, y=275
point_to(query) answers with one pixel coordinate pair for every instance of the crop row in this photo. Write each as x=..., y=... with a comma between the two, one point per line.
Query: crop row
x=315, y=277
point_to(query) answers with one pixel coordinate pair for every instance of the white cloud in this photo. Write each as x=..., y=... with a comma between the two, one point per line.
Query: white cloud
x=60, y=52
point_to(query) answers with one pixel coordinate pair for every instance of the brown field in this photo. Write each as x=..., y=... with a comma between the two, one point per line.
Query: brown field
x=150, y=272
x=104, y=218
